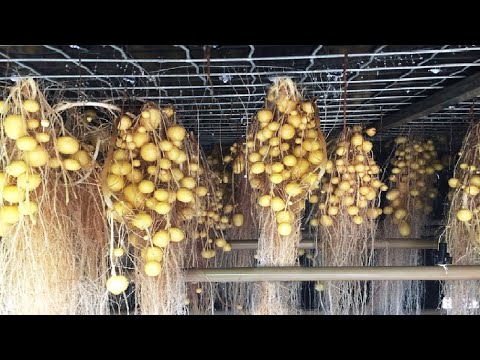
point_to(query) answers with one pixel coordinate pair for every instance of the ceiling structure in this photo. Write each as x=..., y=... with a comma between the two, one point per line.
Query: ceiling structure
x=216, y=89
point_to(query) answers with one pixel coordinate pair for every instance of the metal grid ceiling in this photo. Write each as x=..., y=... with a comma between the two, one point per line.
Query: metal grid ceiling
x=216, y=95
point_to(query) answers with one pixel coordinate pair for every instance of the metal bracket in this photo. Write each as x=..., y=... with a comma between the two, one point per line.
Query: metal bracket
x=441, y=256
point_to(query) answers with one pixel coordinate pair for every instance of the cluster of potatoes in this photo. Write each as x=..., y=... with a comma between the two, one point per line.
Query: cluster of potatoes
x=210, y=218
x=159, y=189
x=146, y=179
x=225, y=170
x=286, y=152
x=34, y=146
x=352, y=186
x=467, y=181
x=412, y=181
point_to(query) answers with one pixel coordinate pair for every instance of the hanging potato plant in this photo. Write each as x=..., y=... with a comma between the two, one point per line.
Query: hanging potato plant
x=155, y=187
x=412, y=185
x=348, y=208
x=412, y=180
x=43, y=167
x=286, y=155
x=462, y=232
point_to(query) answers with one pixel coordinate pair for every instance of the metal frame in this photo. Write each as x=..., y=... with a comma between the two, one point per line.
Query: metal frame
x=463, y=90
x=378, y=244
x=353, y=273
x=382, y=82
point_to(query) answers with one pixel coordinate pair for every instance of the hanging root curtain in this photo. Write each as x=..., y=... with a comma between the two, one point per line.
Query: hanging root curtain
x=463, y=228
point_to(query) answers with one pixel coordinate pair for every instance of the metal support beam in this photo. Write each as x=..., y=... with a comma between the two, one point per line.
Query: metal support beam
x=463, y=90
x=269, y=58
x=379, y=244
x=318, y=312
x=335, y=273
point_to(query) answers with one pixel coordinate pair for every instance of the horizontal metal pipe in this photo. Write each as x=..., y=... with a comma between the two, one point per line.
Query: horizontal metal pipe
x=318, y=312
x=136, y=76
x=433, y=124
x=241, y=105
x=349, y=99
x=247, y=59
x=126, y=88
x=326, y=121
x=379, y=244
x=240, y=112
x=201, y=108
x=285, y=72
x=330, y=118
x=216, y=106
x=357, y=273
x=208, y=124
